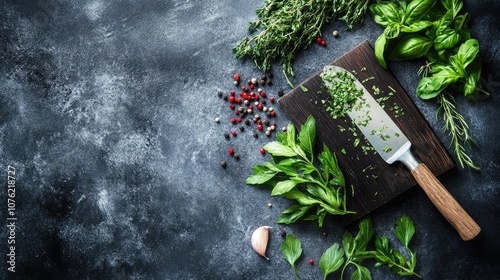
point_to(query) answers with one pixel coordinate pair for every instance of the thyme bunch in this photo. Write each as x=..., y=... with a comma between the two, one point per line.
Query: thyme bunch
x=287, y=26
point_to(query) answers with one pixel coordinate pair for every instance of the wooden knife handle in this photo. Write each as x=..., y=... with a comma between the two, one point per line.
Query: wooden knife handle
x=445, y=203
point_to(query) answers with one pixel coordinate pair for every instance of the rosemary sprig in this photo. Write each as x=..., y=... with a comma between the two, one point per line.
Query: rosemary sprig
x=458, y=129
x=287, y=26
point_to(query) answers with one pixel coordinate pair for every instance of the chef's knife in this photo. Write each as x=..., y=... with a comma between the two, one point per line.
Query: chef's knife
x=392, y=145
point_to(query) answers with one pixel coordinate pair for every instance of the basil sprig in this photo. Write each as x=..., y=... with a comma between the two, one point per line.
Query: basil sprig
x=438, y=32
x=315, y=183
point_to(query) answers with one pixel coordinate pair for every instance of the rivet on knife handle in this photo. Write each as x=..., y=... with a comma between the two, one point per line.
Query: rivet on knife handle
x=392, y=145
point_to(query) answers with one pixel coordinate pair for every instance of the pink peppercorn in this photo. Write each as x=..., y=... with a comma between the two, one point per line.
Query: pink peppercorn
x=271, y=99
x=262, y=151
x=311, y=261
x=230, y=151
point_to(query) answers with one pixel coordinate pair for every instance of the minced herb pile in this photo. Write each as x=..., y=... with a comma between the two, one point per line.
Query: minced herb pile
x=286, y=27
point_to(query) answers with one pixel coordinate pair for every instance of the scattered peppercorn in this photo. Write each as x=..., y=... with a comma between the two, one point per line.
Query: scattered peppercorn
x=336, y=33
x=271, y=99
x=230, y=151
x=242, y=128
x=280, y=92
x=233, y=133
x=323, y=43
x=262, y=151
x=223, y=164
x=226, y=135
x=319, y=39
x=255, y=134
x=236, y=156
x=311, y=261
x=217, y=120
x=269, y=205
x=283, y=233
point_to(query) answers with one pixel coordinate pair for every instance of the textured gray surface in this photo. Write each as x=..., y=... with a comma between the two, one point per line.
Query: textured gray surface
x=106, y=112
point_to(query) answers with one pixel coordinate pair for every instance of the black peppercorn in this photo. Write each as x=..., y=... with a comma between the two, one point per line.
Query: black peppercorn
x=223, y=164
x=242, y=128
x=283, y=233
x=226, y=135
x=280, y=92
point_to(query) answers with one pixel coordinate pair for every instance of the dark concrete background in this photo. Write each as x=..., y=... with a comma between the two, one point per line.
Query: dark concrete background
x=106, y=113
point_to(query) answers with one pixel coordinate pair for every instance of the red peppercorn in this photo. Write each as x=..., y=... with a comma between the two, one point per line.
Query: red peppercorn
x=311, y=261
x=231, y=99
x=256, y=97
x=323, y=43
x=259, y=106
x=236, y=112
x=271, y=99
x=238, y=119
x=236, y=77
x=252, y=86
x=245, y=95
x=230, y=151
x=263, y=94
x=231, y=106
x=233, y=133
x=319, y=39
x=259, y=121
x=272, y=114
x=262, y=151
x=233, y=120
x=232, y=93
x=259, y=127
x=244, y=88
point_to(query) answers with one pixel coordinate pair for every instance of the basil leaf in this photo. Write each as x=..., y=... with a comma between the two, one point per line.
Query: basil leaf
x=291, y=248
x=392, y=30
x=472, y=80
x=404, y=230
x=278, y=149
x=380, y=45
x=446, y=40
x=385, y=13
x=467, y=52
x=410, y=47
x=416, y=9
x=331, y=260
x=426, y=88
x=307, y=137
x=454, y=5
x=415, y=27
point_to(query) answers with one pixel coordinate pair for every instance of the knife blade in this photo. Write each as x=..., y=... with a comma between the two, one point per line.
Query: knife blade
x=392, y=145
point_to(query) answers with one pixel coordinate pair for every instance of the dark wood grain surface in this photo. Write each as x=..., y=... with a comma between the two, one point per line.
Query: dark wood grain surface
x=372, y=181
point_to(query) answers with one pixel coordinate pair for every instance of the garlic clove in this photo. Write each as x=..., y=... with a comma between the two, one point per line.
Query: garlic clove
x=260, y=238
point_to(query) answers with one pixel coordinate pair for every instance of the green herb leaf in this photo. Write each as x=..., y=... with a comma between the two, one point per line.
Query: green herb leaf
x=331, y=260
x=260, y=178
x=361, y=273
x=380, y=45
x=291, y=248
x=307, y=137
x=385, y=13
x=404, y=230
x=416, y=9
x=293, y=213
x=410, y=47
x=278, y=149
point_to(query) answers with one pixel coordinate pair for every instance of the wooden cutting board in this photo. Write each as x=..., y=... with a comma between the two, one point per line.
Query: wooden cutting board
x=373, y=181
